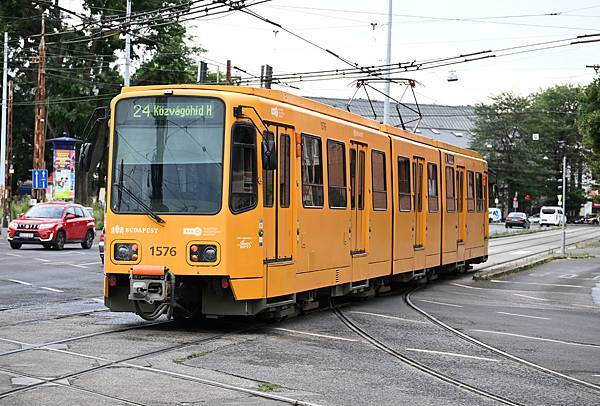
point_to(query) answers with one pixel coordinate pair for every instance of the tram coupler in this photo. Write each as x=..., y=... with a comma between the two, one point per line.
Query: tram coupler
x=148, y=283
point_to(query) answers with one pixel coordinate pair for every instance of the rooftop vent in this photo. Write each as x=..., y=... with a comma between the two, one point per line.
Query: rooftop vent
x=433, y=130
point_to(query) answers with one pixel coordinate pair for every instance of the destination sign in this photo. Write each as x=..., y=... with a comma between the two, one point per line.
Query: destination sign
x=183, y=110
x=190, y=110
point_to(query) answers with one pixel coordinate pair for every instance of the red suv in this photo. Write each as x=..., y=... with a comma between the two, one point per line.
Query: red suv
x=53, y=225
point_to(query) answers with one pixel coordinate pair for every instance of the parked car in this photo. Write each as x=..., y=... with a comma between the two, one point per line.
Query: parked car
x=53, y=225
x=552, y=216
x=534, y=219
x=591, y=219
x=101, y=246
x=516, y=219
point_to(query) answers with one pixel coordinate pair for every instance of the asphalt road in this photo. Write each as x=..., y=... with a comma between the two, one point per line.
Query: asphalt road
x=59, y=345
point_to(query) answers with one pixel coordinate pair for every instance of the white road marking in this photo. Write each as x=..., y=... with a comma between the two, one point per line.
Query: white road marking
x=20, y=282
x=52, y=289
x=464, y=286
x=539, y=284
x=531, y=297
x=314, y=334
x=522, y=252
x=568, y=276
x=524, y=315
x=99, y=300
x=596, y=277
x=582, y=305
x=91, y=263
x=439, y=303
x=385, y=316
x=490, y=250
x=550, y=340
x=43, y=260
x=595, y=375
x=13, y=255
x=452, y=354
x=78, y=266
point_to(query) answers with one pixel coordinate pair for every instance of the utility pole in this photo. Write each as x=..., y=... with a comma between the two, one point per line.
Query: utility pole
x=9, y=155
x=127, y=43
x=386, y=102
x=228, y=72
x=40, y=111
x=3, y=132
x=564, y=199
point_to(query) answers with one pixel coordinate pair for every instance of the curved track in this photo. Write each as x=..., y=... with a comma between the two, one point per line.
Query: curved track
x=415, y=364
x=496, y=350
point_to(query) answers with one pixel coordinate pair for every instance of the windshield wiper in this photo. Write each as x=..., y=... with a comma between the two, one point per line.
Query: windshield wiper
x=143, y=205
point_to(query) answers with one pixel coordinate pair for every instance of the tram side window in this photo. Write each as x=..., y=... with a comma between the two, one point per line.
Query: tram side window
x=243, y=184
x=470, y=191
x=379, y=180
x=284, y=171
x=404, y=183
x=268, y=181
x=479, y=191
x=360, y=195
x=336, y=173
x=432, y=187
x=450, y=191
x=312, y=172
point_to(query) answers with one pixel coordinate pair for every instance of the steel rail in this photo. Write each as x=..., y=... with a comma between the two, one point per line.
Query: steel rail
x=415, y=364
x=543, y=252
x=125, y=362
x=495, y=350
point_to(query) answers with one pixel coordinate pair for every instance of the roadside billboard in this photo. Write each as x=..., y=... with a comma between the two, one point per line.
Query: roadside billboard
x=63, y=185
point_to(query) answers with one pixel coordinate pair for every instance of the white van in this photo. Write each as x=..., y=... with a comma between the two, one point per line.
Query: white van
x=552, y=216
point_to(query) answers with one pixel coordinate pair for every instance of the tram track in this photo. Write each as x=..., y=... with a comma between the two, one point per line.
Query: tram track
x=495, y=350
x=534, y=254
x=537, y=236
x=127, y=363
x=536, y=242
x=415, y=364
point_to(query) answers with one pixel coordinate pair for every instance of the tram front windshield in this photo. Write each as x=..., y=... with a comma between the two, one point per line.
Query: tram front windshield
x=168, y=152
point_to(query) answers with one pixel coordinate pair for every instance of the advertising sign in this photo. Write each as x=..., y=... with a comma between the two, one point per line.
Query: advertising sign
x=63, y=186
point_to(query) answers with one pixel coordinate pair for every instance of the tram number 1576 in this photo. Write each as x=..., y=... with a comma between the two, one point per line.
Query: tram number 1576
x=163, y=251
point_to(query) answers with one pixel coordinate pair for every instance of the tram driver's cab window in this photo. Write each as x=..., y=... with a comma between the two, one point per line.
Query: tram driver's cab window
x=243, y=189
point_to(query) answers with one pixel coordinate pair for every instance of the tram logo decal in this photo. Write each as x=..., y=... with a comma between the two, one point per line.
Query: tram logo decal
x=244, y=242
x=117, y=230
x=195, y=231
x=133, y=230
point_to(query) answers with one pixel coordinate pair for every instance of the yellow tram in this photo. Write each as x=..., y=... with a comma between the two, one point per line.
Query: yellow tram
x=227, y=200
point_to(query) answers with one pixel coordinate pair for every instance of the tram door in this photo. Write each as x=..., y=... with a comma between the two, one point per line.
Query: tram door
x=276, y=184
x=462, y=215
x=420, y=212
x=358, y=156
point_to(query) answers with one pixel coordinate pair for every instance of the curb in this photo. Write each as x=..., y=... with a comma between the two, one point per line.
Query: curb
x=524, y=264
x=517, y=266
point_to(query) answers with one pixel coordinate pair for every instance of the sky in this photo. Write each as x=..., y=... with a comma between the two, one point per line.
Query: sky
x=357, y=30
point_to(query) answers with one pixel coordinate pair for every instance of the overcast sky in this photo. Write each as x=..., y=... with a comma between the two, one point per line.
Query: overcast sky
x=425, y=29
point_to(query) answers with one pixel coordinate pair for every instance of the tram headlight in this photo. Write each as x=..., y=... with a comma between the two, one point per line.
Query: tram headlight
x=203, y=253
x=126, y=252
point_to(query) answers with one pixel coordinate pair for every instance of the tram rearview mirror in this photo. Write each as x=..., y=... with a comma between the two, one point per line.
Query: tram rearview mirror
x=85, y=157
x=269, y=153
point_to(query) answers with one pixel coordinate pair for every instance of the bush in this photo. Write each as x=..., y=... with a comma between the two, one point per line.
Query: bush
x=98, y=216
x=19, y=206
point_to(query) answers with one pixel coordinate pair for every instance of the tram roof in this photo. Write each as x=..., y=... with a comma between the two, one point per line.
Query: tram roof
x=313, y=105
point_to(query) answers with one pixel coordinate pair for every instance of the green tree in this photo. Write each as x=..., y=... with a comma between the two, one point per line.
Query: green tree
x=523, y=166
x=502, y=136
x=589, y=124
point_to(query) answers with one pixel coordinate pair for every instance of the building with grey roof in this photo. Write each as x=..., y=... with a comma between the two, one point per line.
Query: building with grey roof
x=451, y=124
